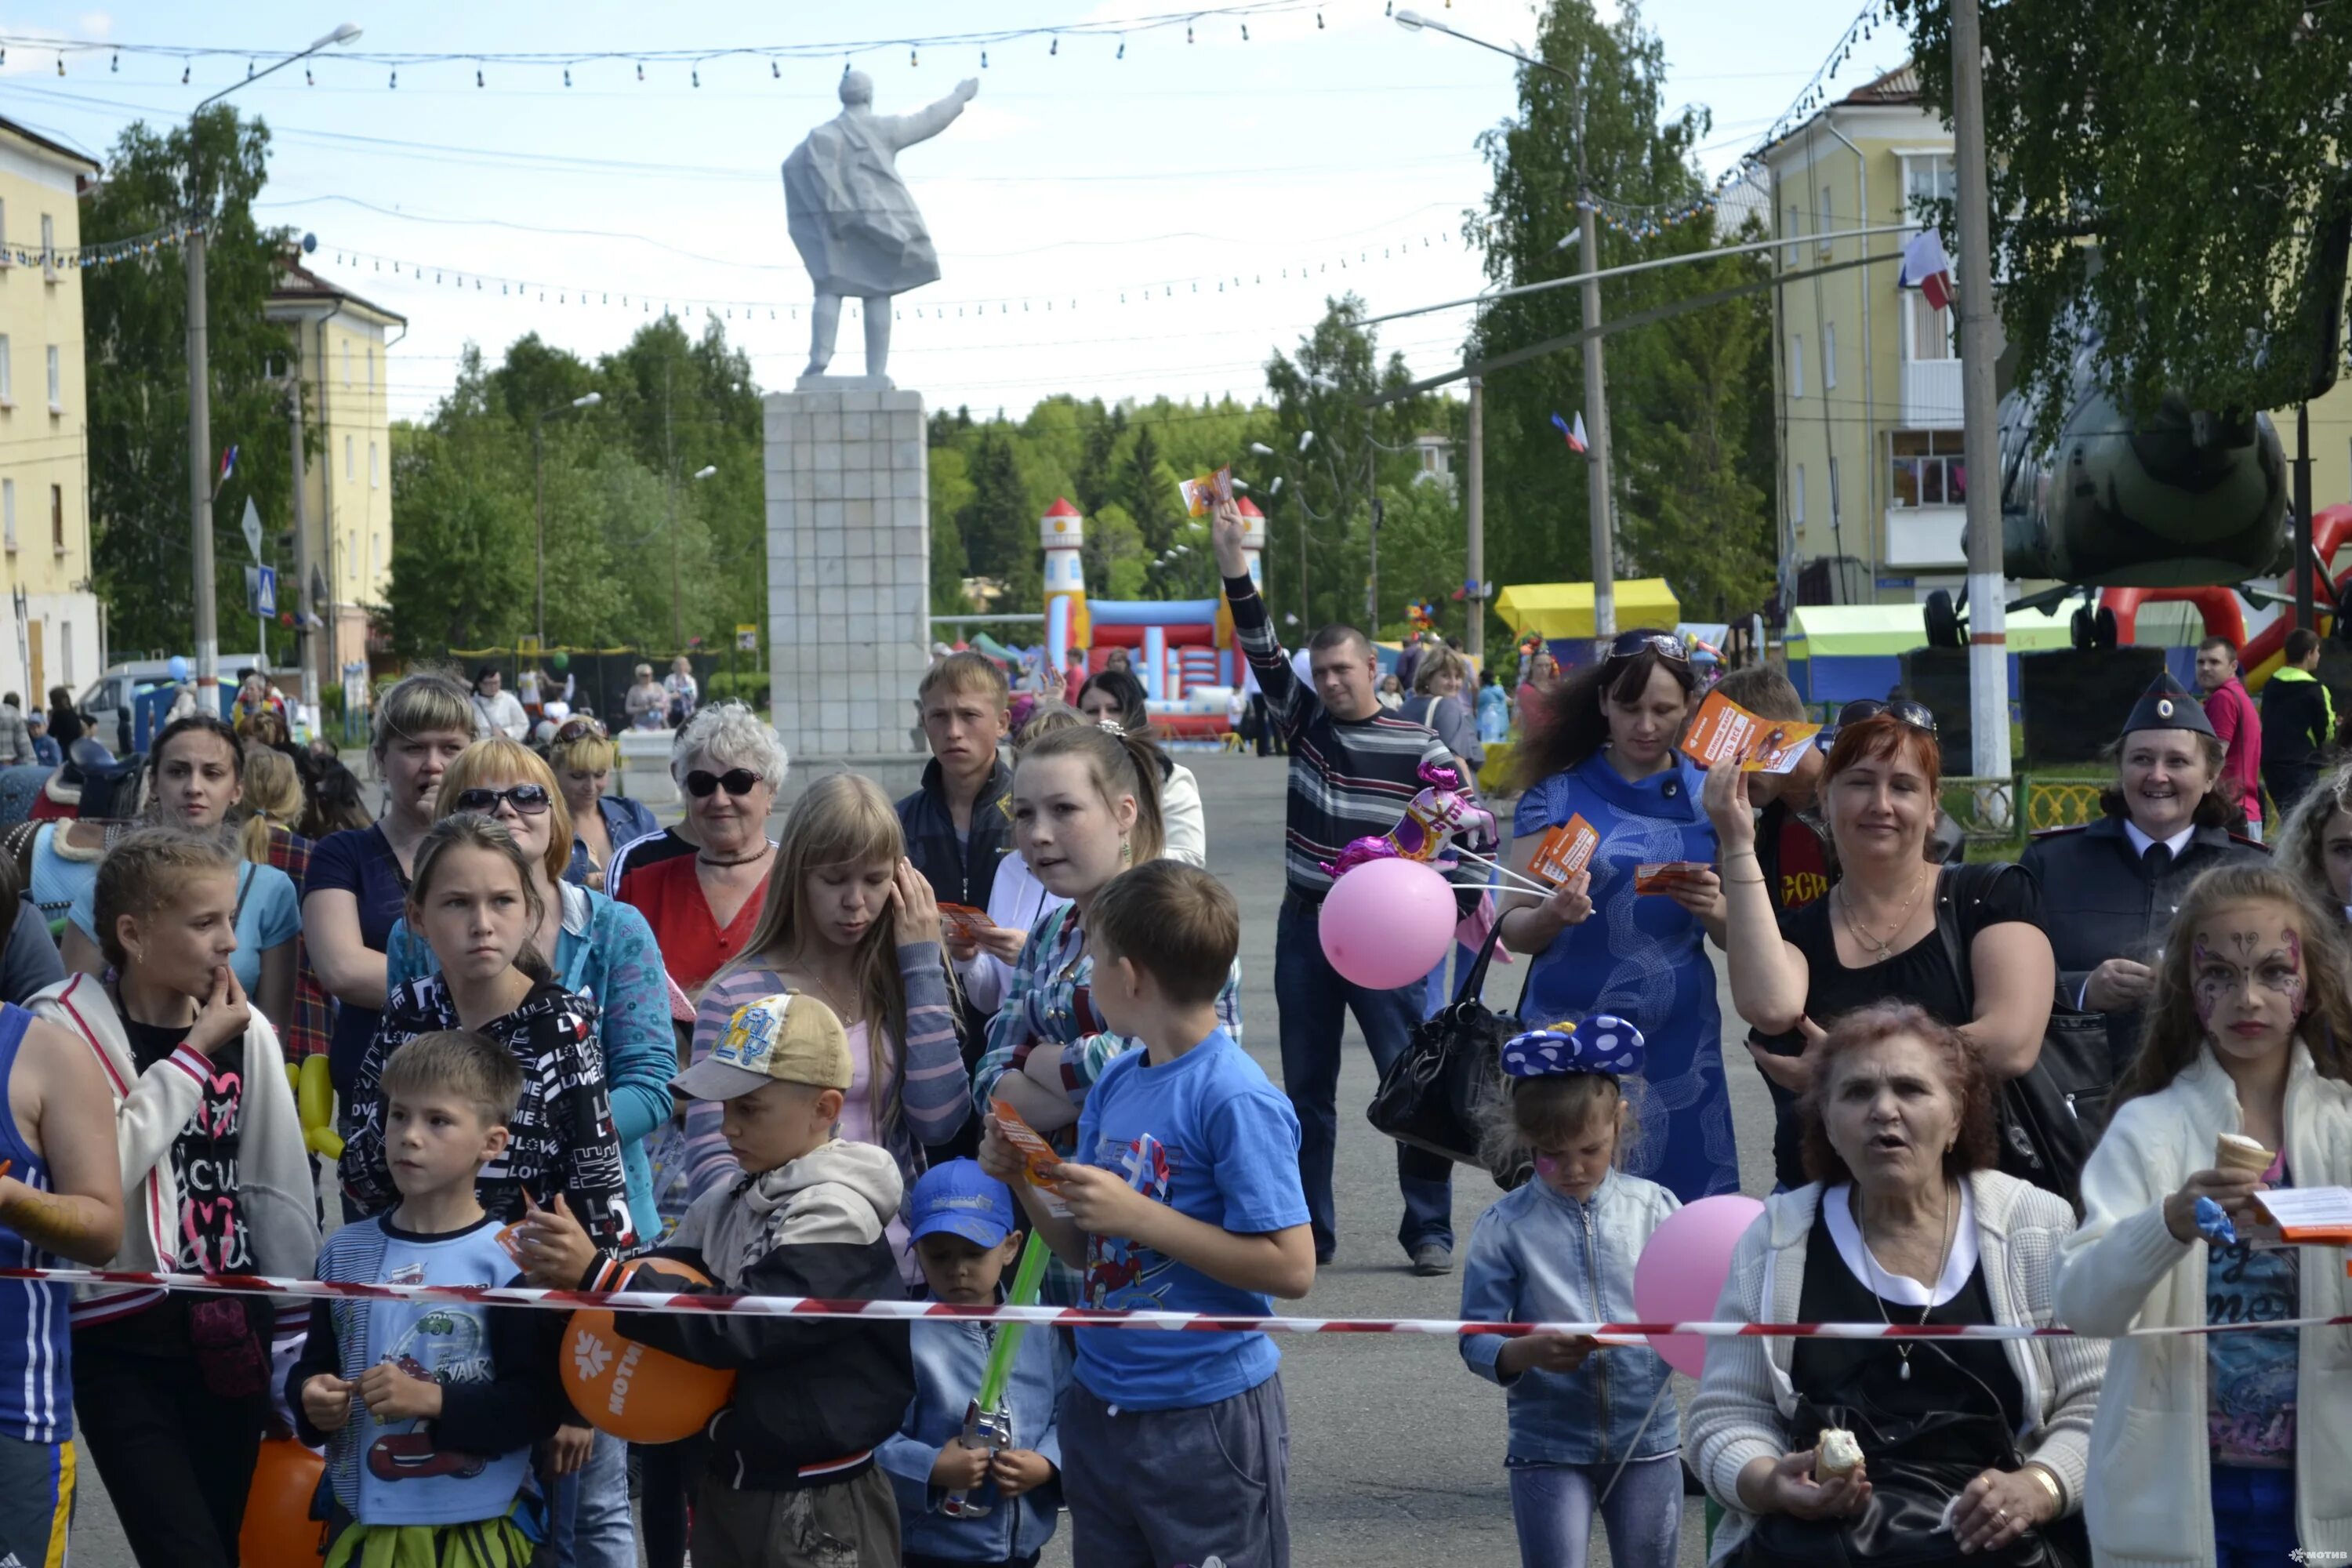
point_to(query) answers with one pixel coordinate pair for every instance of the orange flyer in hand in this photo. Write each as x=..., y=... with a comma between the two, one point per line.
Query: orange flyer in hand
x=963, y=922
x=1036, y=1152
x=1722, y=731
x=1660, y=876
x=1564, y=851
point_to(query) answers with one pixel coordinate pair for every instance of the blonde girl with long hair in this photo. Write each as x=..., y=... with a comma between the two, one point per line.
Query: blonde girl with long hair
x=849, y=921
x=273, y=805
x=1085, y=806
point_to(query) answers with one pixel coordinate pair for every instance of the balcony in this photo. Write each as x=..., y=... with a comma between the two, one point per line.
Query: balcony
x=1931, y=393
x=1927, y=536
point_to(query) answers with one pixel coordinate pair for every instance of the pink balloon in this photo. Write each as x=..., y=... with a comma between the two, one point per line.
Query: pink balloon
x=1680, y=1275
x=1386, y=923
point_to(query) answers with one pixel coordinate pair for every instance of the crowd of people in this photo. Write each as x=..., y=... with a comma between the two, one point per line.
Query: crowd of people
x=568, y=1046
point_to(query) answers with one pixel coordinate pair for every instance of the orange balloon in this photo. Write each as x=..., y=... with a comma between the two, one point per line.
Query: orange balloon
x=278, y=1528
x=632, y=1391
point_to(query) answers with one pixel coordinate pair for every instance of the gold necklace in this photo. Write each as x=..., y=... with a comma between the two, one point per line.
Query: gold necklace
x=1870, y=1264
x=1882, y=950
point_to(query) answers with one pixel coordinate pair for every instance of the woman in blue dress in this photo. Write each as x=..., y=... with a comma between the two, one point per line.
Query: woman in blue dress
x=1607, y=753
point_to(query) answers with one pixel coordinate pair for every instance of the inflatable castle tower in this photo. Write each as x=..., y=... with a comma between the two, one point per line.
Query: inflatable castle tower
x=1062, y=532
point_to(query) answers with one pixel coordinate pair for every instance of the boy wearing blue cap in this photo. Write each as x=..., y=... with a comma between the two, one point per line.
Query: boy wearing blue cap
x=960, y=1506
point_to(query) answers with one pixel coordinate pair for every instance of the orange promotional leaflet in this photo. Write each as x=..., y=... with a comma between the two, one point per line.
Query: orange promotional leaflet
x=1722, y=731
x=1202, y=494
x=1660, y=876
x=1564, y=851
x=2309, y=1216
x=963, y=922
x=1036, y=1152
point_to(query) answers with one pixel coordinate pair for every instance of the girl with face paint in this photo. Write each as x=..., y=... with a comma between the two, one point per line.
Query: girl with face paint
x=2242, y=1084
x=1590, y=1430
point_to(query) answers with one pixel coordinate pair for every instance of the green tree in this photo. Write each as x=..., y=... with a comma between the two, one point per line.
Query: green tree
x=461, y=556
x=1686, y=395
x=135, y=321
x=996, y=527
x=2201, y=147
x=951, y=491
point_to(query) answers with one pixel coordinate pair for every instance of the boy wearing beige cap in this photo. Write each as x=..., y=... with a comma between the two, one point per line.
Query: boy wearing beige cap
x=791, y=1477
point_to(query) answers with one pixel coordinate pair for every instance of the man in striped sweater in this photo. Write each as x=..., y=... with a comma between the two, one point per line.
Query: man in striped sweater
x=1353, y=768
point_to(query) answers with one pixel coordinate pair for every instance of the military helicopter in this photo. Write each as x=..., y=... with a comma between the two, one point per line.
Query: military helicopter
x=2188, y=498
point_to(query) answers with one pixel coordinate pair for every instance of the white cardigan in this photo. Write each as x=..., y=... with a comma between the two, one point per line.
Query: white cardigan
x=1746, y=1398
x=2151, y=1497
x=274, y=1183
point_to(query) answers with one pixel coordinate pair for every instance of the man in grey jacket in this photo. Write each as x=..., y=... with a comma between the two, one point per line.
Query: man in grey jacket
x=16, y=740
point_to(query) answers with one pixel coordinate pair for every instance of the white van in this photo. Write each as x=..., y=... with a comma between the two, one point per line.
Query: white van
x=107, y=700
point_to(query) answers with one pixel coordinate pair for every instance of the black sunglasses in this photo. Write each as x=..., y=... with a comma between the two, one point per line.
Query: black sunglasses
x=1632, y=645
x=738, y=782
x=1905, y=711
x=528, y=799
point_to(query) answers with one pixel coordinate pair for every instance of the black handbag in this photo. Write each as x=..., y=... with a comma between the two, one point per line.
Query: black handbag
x=2050, y=1119
x=1440, y=1092
x=1917, y=1466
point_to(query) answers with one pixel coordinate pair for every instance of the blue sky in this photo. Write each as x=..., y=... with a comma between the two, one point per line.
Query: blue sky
x=1076, y=177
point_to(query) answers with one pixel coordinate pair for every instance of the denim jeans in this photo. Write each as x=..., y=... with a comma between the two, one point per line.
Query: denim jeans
x=2253, y=1516
x=1314, y=1001
x=1552, y=1506
x=588, y=1521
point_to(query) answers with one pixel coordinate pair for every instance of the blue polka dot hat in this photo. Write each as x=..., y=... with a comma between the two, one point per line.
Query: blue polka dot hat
x=1600, y=1044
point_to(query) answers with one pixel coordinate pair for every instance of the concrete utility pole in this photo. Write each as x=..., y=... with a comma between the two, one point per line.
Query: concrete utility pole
x=1596, y=438
x=1474, y=483
x=305, y=641
x=200, y=406
x=1980, y=443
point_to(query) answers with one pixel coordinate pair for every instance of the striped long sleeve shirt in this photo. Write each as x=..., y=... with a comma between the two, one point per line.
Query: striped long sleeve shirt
x=1349, y=778
x=928, y=1065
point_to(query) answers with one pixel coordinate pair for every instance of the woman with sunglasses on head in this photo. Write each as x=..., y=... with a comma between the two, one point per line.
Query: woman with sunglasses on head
x=1606, y=752
x=359, y=877
x=2109, y=889
x=1875, y=935
x=583, y=752
x=1115, y=697
x=597, y=948
x=702, y=906
x=196, y=783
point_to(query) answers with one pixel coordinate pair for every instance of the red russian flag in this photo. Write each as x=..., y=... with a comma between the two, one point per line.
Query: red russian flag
x=1575, y=435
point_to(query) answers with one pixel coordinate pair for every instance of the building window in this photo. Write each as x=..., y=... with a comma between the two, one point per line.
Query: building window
x=1829, y=356
x=1796, y=367
x=7, y=376
x=347, y=362
x=64, y=651
x=371, y=367
x=1928, y=177
x=58, y=518
x=1828, y=223
x=48, y=245
x=57, y=383
x=1928, y=470
x=350, y=471
x=8, y=512
x=1797, y=500
x=352, y=555
x=1793, y=231
x=372, y=482
x=1926, y=331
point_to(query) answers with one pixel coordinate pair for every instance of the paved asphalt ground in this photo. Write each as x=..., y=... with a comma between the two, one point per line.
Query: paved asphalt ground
x=1396, y=1450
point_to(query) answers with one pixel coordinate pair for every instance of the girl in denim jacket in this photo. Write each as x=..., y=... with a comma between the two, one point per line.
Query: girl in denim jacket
x=1590, y=1427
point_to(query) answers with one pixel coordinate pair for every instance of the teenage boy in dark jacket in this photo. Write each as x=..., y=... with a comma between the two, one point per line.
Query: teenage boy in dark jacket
x=2299, y=721
x=791, y=1478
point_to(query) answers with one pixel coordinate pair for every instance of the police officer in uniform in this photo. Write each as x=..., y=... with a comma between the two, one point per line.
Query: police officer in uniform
x=2109, y=889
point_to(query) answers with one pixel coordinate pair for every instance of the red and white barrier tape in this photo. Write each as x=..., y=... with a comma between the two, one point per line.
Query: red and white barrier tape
x=1072, y=1317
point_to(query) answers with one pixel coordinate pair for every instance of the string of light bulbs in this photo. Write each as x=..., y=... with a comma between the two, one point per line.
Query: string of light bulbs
x=86, y=257
x=1205, y=23
x=634, y=298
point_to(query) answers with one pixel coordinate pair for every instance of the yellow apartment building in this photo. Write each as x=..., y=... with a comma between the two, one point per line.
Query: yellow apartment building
x=55, y=637
x=341, y=345
x=1872, y=486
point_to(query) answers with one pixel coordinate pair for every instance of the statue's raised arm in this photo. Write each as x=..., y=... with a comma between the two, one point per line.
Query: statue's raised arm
x=853, y=219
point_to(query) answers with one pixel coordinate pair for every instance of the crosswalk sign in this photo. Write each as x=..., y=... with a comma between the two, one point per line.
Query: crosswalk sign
x=261, y=590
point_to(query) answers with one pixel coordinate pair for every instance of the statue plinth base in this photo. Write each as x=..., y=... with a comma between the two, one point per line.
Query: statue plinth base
x=827, y=382
x=849, y=567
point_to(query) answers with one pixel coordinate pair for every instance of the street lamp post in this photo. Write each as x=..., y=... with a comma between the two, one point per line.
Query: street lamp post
x=200, y=409
x=676, y=617
x=539, y=484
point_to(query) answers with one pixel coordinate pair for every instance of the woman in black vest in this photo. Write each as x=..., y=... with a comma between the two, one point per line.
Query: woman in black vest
x=2109, y=889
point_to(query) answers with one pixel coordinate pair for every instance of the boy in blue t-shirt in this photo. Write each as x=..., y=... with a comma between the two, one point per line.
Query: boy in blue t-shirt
x=429, y=1409
x=1184, y=1196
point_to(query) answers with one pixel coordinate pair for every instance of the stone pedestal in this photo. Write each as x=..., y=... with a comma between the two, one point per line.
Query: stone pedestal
x=849, y=568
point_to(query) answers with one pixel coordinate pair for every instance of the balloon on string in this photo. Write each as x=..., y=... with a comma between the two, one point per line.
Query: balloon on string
x=1680, y=1275
x=635, y=1391
x=1385, y=923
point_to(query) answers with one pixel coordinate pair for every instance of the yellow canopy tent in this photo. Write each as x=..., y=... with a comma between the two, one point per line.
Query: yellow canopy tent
x=1554, y=610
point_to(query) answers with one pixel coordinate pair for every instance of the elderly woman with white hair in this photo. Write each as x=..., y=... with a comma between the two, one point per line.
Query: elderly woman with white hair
x=703, y=900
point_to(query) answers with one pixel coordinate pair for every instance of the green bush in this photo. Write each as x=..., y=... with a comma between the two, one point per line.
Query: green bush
x=748, y=686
